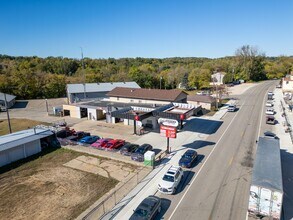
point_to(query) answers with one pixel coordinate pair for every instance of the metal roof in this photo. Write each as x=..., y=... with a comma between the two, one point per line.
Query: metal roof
x=99, y=87
x=21, y=137
x=8, y=97
x=267, y=171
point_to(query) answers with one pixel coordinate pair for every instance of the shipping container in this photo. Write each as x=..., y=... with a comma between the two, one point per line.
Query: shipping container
x=266, y=190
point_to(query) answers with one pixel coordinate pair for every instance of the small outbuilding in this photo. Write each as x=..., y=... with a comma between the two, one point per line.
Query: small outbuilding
x=24, y=143
x=10, y=100
x=206, y=101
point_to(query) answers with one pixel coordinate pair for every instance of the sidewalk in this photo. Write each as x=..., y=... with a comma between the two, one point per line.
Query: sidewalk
x=124, y=209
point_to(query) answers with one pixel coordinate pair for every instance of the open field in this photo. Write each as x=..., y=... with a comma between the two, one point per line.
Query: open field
x=45, y=189
x=17, y=124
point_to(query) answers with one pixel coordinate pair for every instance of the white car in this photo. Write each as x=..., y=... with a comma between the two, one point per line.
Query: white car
x=231, y=108
x=270, y=93
x=270, y=111
x=269, y=104
x=171, y=180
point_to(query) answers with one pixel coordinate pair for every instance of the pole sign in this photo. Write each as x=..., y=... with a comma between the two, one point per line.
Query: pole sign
x=168, y=122
x=168, y=131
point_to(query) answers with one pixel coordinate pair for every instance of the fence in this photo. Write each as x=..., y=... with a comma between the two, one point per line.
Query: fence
x=108, y=203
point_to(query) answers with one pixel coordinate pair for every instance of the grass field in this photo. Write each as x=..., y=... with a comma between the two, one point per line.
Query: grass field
x=18, y=125
x=42, y=188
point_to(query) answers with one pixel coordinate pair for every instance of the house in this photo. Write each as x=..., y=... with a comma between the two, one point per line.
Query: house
x=10, y=100
x=147, y=96
x=206, y=101
x=217, y=78
x=23, y=144
x=287, y=83
x=78, y=92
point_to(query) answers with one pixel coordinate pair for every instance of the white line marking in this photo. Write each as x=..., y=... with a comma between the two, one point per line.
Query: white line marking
x=263, y=105
x=204, y=164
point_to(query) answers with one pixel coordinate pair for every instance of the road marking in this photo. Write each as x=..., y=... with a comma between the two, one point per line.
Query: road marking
x=261, y=116
x=204, y=164
x=231, y=160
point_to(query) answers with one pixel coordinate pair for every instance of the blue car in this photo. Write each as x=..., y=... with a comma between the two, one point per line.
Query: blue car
x=89, y=139
x=188, y=158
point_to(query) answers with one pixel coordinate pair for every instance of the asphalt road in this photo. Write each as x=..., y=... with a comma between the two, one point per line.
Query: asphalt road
x=217, y=187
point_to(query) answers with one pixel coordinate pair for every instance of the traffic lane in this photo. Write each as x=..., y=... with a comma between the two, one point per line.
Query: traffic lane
x=203, y=199
x=189, y=174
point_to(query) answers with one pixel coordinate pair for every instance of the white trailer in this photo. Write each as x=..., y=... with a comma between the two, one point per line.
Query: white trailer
x=266, y=190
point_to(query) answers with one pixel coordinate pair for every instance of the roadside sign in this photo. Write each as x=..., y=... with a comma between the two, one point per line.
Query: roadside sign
x=168, y=122
x=168, y=131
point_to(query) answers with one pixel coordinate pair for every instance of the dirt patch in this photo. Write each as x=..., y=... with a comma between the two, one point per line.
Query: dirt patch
x=107, y=168
x=45, y=189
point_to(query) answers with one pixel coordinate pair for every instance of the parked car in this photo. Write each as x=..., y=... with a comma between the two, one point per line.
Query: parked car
x=270, y=134
x=269, y=104
x=81, y=134
x=89, y=139
x=65, y=133
x=279, y=86
x=128, y=149
x=270, y=120
x=270, y=93
x=171, y=180
x=147, y=209
x=114, y=144
x=270, y=111
x=101, y=143
x=188, y=158
x=138, y=154
x=232, y=108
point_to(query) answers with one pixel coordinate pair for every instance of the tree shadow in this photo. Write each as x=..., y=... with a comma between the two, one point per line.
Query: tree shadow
x=197, y=144
x=287, y=174
x=200, y=125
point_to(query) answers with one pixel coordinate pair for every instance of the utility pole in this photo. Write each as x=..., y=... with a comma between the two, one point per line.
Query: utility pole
x=160, y=82
x=7, y=111
x=82, y=65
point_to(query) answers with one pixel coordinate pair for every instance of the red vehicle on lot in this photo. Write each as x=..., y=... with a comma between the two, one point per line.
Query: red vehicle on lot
x=101, y=143
x=114, y=144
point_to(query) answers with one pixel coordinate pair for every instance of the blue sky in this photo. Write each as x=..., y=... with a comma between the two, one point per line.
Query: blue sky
x=144, y=28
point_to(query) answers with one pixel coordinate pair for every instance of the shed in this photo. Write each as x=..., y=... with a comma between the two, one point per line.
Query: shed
x=22, y=144
x=9, y=98
x=206, y=101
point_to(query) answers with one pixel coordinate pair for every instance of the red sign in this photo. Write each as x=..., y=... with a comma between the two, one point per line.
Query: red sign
x=167, y=131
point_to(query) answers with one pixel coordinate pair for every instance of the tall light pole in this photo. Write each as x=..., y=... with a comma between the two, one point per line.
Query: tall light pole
x=7, y=111
x=82, y=64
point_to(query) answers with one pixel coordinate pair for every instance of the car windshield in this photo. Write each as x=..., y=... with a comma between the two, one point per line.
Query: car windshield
x=188, y=156
x=141, y=212
x=168, y=178
x=139, y=150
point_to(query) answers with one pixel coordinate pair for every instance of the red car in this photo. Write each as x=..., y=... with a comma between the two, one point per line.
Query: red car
x=114, y=144
x=101, y=143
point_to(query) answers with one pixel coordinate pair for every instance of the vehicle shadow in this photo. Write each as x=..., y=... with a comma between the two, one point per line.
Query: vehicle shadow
x=198, y=160
x=200, y=125
x=164, y=207
x=188, y=175
x=287, y=173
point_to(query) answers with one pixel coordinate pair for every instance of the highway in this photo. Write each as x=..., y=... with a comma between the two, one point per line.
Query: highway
x=218, y=186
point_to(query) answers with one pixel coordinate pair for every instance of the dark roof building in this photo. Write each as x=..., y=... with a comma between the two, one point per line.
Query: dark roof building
x=201, y=98
x=173, y=95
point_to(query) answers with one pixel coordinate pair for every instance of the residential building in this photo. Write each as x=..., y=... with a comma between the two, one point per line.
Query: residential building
x=10, y=99
x=217, y=78
x=287, y=83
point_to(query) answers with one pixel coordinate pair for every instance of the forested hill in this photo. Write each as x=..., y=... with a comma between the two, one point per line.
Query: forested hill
x=34, y=77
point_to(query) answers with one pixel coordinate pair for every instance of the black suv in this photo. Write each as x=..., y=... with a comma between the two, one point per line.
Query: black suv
x=147, y=209
x=138, y=154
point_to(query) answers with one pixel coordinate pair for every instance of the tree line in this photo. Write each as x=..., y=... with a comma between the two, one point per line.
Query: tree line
x=35, y=77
